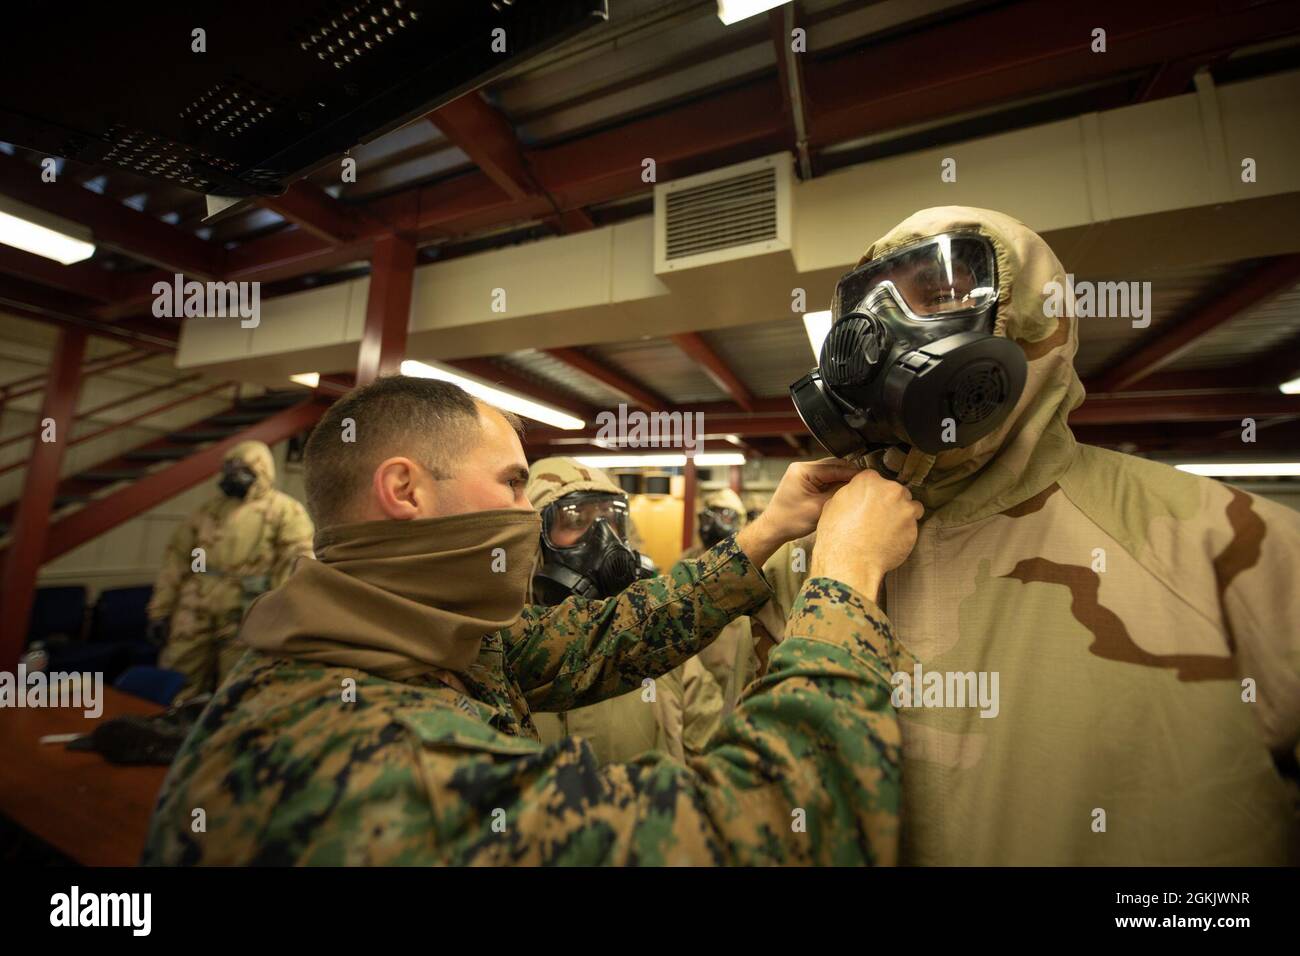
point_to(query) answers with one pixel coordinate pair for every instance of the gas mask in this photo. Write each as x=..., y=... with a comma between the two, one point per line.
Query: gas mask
x=236, y=479
x=583, y=549
x=911, y=358
x=716, y=524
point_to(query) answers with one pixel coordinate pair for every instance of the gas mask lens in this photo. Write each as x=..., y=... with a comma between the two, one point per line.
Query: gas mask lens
x=584, y=549
x=911, y=358
x=568, y=519
x=717, y=523
x=940, y=277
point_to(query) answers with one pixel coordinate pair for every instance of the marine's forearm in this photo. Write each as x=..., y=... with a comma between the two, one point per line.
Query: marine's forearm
x=583, y=651
x=810, y=761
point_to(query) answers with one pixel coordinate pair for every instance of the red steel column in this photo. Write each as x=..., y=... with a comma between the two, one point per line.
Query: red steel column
x=738, y=479
x=388, y=309
x=32, y=519
x=688, y=500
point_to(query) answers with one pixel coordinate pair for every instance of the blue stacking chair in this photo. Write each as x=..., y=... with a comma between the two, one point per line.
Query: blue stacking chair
x=152, y=683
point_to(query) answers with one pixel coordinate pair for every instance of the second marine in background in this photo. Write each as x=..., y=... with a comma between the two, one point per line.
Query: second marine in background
x=588, y=551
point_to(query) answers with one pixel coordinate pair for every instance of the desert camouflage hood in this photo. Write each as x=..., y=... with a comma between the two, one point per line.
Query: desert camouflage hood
x=257, y=457
x=1034, y=445
x=725, y=498
x=550, y=479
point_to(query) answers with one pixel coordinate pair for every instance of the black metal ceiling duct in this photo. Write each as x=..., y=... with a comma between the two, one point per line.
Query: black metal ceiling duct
x=279, y=89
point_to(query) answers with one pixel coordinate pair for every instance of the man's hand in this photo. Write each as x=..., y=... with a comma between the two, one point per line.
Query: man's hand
x=795, y=506
x=867, y=529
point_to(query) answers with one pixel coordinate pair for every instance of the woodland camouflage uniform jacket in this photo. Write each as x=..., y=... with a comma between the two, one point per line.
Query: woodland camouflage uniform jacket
x=279, y=770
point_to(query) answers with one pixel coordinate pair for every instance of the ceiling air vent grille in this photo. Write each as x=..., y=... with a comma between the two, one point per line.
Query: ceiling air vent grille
x=731, y=213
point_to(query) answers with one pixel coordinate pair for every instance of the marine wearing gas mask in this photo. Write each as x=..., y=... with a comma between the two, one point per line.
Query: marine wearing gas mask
x=911, y=358
x=584, y=549
x=740, y=653
x=1119, y=604
x=236, y=479
x=723, y=515
x=237, y=545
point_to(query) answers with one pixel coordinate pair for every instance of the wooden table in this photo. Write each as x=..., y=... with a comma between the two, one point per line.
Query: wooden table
x=89, y=809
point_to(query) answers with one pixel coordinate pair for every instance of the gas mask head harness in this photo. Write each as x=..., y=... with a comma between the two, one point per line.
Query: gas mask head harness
x=583, y=549
x=716, y=523
x=911, y=358
x=236, y=478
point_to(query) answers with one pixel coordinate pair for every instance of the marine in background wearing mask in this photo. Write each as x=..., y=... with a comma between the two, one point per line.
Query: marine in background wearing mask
x=586, y=532
x=1125, y=608
x=250, y=535
x=739, y=655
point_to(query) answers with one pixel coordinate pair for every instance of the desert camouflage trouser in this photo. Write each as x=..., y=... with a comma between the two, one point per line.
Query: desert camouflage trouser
x=201, y=643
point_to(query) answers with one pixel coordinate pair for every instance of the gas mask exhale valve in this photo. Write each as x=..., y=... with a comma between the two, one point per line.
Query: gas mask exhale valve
x=910, y=358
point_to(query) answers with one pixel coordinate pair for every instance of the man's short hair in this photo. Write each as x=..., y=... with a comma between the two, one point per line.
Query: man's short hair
x=429, y=421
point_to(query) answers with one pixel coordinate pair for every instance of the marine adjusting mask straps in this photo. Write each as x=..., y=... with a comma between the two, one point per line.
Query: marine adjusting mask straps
x=911, y=358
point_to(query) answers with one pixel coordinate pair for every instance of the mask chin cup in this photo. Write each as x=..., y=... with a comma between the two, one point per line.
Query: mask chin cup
x=954, y=391
x=824, y=417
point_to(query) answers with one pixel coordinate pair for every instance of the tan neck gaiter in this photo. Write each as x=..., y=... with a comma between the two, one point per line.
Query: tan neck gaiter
x=400, y=598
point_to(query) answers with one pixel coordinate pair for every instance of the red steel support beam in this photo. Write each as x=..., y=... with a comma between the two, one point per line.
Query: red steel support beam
x=388, y=309
x=694, y=345
x=487, y=138
x=106, y=513
x=782, y=22
x=688, y=501
x=312, y=209
x=602, y=373
x=32, y=522
x=1234, y=406
x=1014, y=63
x=1172, y=77
x=1281, y=363
x=736, y=478
x=1274, y=276
x=484, y=135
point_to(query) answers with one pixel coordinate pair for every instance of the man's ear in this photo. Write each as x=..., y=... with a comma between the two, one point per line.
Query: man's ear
x=397, y=489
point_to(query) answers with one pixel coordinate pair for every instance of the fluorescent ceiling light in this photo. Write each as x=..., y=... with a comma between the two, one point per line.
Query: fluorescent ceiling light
x=733, y=11
x=310, y=379
x=36, y=231
x=1292, y=387
x=508, y=401
x=818, y=325
x=1243, y=469
x=711, y=460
